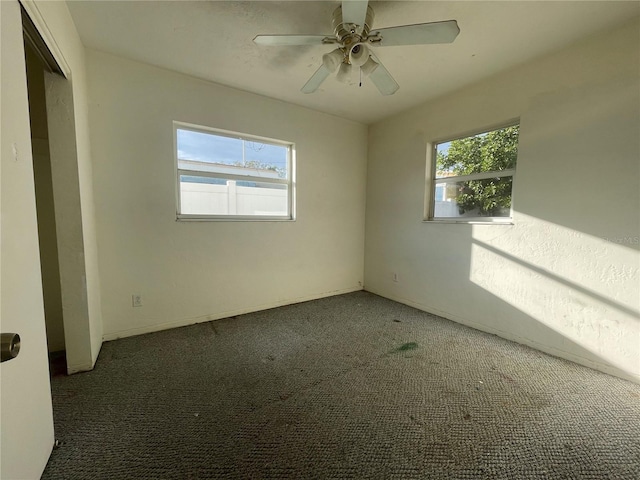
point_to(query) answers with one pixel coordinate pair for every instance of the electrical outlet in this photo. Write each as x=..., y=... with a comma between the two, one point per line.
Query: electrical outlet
x=395, y=277
x=136, y=300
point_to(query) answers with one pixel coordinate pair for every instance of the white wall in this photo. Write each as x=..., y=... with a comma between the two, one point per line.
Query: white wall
x=77, y=246
x=194, y=271
x=564, y=278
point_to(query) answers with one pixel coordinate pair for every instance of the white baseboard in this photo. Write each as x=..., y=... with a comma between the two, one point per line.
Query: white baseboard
x=216, y=316
x=600, y=366
x=96, y=353
x=85, y=367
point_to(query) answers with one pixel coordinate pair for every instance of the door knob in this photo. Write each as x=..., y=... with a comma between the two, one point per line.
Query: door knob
x=9, y=346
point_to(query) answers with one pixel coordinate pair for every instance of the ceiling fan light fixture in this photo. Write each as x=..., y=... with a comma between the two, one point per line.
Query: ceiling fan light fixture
x=368, y=67
x=359, y=54
x=332, y=60
x=344, y=73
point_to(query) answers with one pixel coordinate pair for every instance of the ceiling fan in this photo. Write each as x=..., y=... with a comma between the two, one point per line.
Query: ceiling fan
x=353, y=33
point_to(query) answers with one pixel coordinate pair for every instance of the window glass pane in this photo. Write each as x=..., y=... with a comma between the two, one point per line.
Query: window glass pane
x=216, y=153
x=208, y=148
x=490, y=197
x=487, y=152
x=267, y=157
x=217, y=196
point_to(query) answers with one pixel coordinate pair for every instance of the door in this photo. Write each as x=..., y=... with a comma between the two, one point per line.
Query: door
x=26, y=418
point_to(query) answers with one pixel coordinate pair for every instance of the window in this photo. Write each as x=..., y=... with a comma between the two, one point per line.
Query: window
x=472, y=177
x=227, y=175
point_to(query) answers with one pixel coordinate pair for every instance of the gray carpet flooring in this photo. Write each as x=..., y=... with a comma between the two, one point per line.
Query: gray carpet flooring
x=352, y=386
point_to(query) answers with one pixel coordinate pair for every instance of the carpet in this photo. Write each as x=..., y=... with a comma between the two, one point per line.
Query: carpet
x=351, y=386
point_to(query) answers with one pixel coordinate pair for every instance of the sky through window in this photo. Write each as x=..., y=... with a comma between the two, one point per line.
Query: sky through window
x=213, y=148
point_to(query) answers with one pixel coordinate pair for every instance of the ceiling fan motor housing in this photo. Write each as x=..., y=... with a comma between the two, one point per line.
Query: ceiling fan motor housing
x=347, y=33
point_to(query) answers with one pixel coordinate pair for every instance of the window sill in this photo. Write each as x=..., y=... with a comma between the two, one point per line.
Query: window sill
x=470, y=221
x=226, y=218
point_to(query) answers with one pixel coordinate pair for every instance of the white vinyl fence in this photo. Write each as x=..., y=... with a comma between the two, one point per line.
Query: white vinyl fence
x=231, y=199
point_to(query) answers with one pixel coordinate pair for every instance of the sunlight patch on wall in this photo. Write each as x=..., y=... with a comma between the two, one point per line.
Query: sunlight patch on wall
x=583, y=287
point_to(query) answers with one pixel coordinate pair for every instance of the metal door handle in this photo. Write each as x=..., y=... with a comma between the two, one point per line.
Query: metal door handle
x=9, y=346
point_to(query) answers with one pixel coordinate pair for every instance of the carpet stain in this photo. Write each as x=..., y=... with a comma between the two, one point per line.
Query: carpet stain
x=406, y=347
x=506, y=377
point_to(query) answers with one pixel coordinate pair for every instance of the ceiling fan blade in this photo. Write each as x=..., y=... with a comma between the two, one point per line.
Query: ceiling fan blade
x=419, y=34
x=354, y=11
x=277, y=40
x=383, y=80
x=316, y=80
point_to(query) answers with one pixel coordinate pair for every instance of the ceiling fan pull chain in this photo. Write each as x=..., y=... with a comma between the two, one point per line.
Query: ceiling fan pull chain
x=360, y=70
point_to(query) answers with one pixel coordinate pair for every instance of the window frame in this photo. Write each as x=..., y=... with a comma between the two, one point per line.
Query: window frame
x=289, y=181
x=432, y=181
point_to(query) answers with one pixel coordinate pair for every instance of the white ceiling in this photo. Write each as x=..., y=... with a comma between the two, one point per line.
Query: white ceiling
x=213, y=40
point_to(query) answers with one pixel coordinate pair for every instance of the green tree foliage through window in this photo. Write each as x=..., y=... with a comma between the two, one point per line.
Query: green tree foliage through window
x=489, y=152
